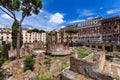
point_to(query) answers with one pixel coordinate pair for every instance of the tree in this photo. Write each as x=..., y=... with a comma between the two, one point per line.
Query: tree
x=14, y=35
x=71, y=31
x=29, y=31
x=25, y=7
x=35, y=30
x=2, y=59
x=41, y=31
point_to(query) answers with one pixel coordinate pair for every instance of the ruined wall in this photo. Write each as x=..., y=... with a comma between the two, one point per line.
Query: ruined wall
x=64, y=77
x=87, y=69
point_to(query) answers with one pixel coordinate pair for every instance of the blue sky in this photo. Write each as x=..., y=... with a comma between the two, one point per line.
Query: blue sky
x=57, y=14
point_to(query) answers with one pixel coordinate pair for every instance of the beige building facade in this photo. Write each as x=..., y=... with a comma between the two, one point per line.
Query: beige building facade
x=5, y=35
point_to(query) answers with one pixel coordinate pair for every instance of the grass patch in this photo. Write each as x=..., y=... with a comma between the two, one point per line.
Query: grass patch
x=47, y=61
x=118, y=78
x=83, y=52
x=82, y=55
x=49, y=78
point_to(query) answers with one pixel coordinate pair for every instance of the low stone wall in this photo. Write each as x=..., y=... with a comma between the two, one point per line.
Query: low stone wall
x=64, y=77
x=87, y=69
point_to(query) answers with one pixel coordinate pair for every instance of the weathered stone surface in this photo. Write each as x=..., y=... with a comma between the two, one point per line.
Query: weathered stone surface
x=55, y=47
x=8, y=72
x=54, y=65
x=64, y=77
x=70, y=75
x=38, y=44
x=39, y=60
x=91, y=69
x=28, y=75
x=99, y=61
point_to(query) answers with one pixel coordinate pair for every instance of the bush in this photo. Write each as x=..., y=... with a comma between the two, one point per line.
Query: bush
x=82, y=55
x=29, y=63
x=49, y=78
x=47, y=61
x=118, y=78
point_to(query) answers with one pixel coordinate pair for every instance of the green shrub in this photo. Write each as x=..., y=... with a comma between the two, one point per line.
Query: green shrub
x=49, y=78
x=118, y=78
x=81, y=55
x=47, y=61
x=28, y=63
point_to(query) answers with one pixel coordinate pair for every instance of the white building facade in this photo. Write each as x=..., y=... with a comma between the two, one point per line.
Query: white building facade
x=5, y=35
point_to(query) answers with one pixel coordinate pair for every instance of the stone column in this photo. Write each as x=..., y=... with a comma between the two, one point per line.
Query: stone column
x=67, y=41
x=47, y=41
x=62, y=38
x=96, y=47
x=114, y=48
x=103, y=47
x=56, y=38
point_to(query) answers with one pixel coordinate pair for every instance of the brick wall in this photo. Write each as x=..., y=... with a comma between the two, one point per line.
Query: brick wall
x=87, y=69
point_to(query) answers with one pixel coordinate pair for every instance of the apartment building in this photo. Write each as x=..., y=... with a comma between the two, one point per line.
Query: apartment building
x=5, y=35
x=90, y=30
x=65, y=35
x=104, y=35
x=91, y=22
x=111, y=29
x=30, y=37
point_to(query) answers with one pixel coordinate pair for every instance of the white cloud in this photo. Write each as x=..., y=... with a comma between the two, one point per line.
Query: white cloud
x=5, y=16
x=76, y=21
x=56, y=18
x=44, y=20
x=86, y=13
x=62, y=26
x=113, y=11
x=41, y=11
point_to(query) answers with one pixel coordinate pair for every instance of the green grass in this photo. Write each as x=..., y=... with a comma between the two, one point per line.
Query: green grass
x=63, y=66
x=82, y=55
x=49, y=78
x=118, y=78
x=82, y=52
x=47, y=61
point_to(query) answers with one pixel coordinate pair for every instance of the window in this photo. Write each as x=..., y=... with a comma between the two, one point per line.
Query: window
x=115, y=27
x=7, y=32
x=2, y=38
x=115, y=22
x=1, y=32
x=7, y=37
x=109, y=27
x=103, y=24
x=104, y=28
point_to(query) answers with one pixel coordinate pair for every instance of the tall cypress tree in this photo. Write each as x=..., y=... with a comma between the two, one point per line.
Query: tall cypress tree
x=15, y=27
x=1, y=62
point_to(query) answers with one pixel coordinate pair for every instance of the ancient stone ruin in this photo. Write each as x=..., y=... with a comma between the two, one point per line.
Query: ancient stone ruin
x=29, y=48
x=38, y=44
x=90, y=69
x=55, y=44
